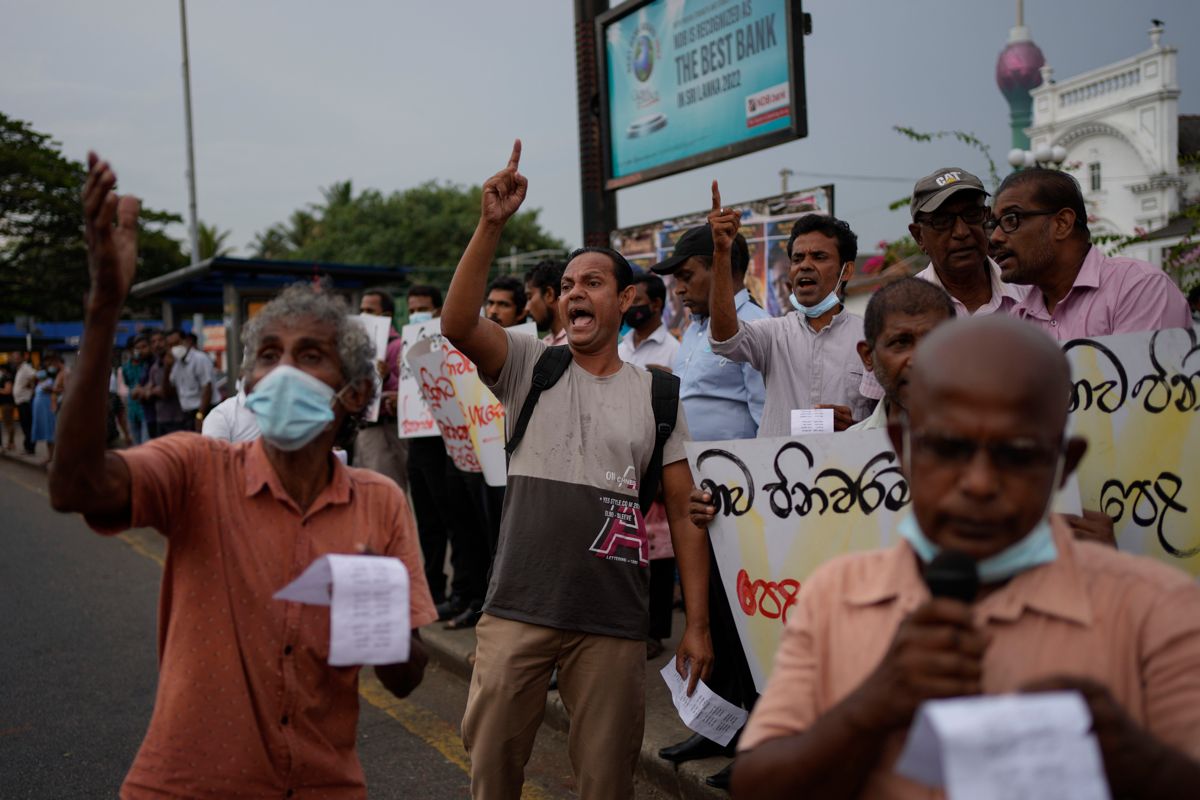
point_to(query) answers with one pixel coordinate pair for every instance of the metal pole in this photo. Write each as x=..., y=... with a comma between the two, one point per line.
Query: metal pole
x=599, y=204
x=187, y=117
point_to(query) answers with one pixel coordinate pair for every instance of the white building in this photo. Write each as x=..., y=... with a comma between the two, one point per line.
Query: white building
x=1124, y=137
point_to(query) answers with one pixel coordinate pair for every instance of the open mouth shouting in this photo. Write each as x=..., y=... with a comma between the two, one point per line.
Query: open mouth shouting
x=580, y=319
x=805, y=286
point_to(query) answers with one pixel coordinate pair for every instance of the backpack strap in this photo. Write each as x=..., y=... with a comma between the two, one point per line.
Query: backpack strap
x=664, y=400
x=550, y=366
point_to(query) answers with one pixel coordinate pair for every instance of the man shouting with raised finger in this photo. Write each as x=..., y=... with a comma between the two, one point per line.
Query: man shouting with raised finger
x=570, y=580
x=247, y=704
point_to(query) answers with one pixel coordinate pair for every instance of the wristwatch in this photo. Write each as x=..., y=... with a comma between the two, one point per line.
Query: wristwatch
x=199, y=416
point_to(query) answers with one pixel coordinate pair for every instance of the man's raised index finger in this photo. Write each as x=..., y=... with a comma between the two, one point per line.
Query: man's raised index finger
x=716, y=193
x=515, y=159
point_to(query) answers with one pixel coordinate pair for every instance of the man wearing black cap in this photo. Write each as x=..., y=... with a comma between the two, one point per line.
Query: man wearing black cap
x=948, y=208
x=722, y=400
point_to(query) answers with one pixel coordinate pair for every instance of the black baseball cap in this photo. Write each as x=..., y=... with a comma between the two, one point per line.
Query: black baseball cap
x=698, y=241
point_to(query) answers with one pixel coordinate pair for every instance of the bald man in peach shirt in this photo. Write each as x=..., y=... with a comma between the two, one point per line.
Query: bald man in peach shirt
x=865, y=645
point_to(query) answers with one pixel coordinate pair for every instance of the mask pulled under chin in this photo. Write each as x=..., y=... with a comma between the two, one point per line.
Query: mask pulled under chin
x=814, y=311
x=291, y=406
x=1033, y=550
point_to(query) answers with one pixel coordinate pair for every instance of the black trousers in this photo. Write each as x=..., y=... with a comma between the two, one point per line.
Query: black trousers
x=427, y=465
x=25, y=412
x=731, y=676
x=470, y=553
x=662, y=597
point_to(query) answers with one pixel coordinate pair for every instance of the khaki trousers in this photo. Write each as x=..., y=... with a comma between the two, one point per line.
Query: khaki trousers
x=601, y=680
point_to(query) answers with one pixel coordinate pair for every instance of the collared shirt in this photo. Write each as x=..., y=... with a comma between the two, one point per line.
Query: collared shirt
x=553, y=339
x=723, y=399
x=1125, y=621
x=802, y=368
x=1110, y=295
x=247, y=704
x=658, y=348
x=133, y=372
x=23, y=383
x=878, y=418
x=166, y=409
x=189, y=376
x=1004, y=295
x=231, y=421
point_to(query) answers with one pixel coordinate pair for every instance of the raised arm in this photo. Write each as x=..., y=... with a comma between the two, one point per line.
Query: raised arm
x=480, y=339
x=724, y=223
x=84, y=477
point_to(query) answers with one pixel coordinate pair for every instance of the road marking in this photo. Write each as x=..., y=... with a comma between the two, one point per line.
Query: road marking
x=29, y=486
x=420, y=722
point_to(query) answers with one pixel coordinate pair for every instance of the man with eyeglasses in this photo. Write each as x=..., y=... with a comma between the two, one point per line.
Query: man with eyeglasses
x=1040, y=237
x=949, y=207
x=984, y=449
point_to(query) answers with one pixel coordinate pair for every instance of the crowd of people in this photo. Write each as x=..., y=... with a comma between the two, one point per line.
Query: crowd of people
x=568, y=573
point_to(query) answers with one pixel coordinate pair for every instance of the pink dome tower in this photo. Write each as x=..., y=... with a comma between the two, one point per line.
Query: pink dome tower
x=1018, y=71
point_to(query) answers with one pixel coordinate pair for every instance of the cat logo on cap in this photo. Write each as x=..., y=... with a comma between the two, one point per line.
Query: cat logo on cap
x=949, y=178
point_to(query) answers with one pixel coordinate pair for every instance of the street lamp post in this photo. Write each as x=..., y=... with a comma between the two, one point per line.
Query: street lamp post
x=1043, y=156
x=187, y=118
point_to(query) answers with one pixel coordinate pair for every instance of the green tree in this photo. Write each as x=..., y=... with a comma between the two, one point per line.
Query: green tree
x=213, y=242
x=42, y=256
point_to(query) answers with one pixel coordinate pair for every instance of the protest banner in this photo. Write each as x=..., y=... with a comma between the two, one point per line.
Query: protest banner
x=413, y=417
x=1135, y=399
x=378, y=329
x=466, y=413
x=785, y=506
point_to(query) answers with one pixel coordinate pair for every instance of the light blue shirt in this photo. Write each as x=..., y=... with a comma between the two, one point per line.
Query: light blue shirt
x=722, y=399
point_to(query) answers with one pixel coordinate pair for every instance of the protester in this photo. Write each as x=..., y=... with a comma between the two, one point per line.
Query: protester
x=560, y=592
x=48, y=392
x=24, y=380
x=983, y=450
x=648, y=343
x=898, y=317
x=232, y=420
x=8, y=409
x=243, y=678
x=427, y=483
x=722, y=400
x=191, y=375
x=168, y=416
x=948, y=209
x=807, y=359
x=378, y=445
x=133, y=372
x=1040, y=237
x=505, y=303
x=541, y=300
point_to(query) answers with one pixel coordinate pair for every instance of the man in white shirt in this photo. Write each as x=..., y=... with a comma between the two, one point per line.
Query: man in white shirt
x=192, y=377
x=231, y=420
x=649, y=344
x=23, y=385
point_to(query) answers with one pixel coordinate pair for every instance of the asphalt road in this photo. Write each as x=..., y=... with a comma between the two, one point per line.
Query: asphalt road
x=78, y=671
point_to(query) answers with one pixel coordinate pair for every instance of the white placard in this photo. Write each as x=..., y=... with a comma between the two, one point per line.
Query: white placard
x=378, y=328
x=369, y=619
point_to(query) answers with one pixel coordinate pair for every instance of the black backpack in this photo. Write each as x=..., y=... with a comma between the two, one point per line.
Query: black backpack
x=664, y=400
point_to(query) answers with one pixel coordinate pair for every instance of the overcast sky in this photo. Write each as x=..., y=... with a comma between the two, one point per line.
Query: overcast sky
x=292, y=96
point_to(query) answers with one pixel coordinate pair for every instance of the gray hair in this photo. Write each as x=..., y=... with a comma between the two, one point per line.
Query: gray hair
x=306, y=301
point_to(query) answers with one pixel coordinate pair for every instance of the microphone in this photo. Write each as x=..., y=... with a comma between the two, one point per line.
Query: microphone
x=952, y=574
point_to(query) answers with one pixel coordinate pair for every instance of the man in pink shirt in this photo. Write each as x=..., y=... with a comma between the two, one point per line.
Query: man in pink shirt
x=983, y=449
x=1040, y=237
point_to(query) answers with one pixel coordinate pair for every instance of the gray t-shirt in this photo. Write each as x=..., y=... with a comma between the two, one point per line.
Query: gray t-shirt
x=801, y=367
x=573, y=552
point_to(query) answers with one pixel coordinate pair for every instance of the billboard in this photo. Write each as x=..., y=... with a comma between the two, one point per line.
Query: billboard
x=688, y=82
x=766, y=223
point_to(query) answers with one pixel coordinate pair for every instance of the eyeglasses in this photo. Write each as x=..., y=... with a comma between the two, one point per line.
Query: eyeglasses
x=944, y=222
x=1006, y=455
x=1012, y=220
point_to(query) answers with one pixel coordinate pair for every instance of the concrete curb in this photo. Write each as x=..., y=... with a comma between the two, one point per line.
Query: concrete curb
x=454, y=652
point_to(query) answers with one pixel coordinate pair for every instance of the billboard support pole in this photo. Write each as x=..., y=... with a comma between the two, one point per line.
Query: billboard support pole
x=599, y=204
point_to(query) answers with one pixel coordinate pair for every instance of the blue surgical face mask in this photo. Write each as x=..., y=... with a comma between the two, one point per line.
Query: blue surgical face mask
x=831, y=300
x=1033, y=550
x=417, y=317
x=291, y=406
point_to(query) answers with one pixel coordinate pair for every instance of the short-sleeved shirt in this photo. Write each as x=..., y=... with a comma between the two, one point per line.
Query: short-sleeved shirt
x=1110, y=295
x=23, y=383
x=802, y=368
x=166, y=409
x=189, y=375
x=657, y=349
x=723, y=398
x=573, y=552
x=1125, y=621
x=247, y=705
x=232, y=421
x=1004, y=295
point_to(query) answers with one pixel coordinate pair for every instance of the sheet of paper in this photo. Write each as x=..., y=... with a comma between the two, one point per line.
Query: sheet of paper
x=1035, y=746
x=369, y=606
x=378, y=328
x=812, y=420
x=704, y=712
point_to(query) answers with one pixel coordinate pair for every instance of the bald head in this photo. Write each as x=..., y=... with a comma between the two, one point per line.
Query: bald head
x=1010, y=361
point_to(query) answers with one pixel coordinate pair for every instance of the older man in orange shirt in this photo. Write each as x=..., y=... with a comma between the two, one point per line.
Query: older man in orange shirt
x=865, y=645
x=247, y=704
